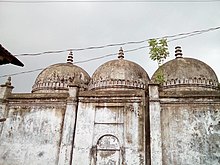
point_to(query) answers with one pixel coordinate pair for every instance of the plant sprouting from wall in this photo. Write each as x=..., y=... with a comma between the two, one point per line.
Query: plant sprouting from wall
x=160, y=77
x=159, y=52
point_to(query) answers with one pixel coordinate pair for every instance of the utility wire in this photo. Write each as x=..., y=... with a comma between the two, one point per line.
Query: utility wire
x=110, y=1
x=78, y=62
x=108, y=55
x=182, y=37
x=24, y=72
x=120, y=44
x=186, y=35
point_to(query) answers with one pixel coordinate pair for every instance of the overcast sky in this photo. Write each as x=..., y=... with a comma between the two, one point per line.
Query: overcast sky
x=33, y=28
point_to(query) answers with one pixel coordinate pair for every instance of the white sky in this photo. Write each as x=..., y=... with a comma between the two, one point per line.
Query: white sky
x=33, y=28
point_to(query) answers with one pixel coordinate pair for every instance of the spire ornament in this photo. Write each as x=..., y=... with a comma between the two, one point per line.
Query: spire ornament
x=121, y=53
x=70, y=58
x=178, y=52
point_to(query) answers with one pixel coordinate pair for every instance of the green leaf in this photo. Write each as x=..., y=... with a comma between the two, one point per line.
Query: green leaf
x=158, y=50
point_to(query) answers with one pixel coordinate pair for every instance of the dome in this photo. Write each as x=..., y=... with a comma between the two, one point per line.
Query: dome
x=57, y=78
x=119, y=74
x=186, y=74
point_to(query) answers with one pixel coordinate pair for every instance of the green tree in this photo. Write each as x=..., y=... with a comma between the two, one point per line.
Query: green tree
x=159, y=52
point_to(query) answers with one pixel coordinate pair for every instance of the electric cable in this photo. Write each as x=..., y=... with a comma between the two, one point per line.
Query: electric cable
x=119, y=44
x=181, y=36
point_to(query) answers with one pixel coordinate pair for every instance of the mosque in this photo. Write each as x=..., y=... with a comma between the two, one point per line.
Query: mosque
x=118, y=116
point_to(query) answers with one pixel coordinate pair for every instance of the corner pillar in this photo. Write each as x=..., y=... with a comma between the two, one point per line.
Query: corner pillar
x=5, y=91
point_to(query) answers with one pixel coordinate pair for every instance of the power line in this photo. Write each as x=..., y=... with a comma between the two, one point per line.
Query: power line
x=78, y=62
x=110, y=1
x=186, y=34
x=108, y=55
x=83, y=61
x=189, y=35
x=24, y=72
x=181, y=36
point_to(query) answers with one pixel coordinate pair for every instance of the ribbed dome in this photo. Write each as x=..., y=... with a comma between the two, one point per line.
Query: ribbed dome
x=186, y=74
x=119, y=74
x=57, y=78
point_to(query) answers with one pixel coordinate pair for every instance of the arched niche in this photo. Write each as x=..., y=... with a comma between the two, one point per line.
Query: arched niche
x=108, y=151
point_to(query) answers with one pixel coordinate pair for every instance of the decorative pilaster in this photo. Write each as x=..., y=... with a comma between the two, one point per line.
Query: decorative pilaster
x=69, y=125
x=155, y=125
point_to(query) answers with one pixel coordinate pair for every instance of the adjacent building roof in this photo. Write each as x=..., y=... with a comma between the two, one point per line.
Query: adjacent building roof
x=6, y=57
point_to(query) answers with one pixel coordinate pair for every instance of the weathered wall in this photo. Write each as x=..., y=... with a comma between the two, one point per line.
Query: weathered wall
x=190, y=131
x=3, y=113
x=110, y=130
x=32, y=132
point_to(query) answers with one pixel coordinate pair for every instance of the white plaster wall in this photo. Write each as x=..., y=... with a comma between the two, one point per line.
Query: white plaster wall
x=3, y=114
x=133, y=157
x=31, y=135
x=83, y=134
x=191, y=134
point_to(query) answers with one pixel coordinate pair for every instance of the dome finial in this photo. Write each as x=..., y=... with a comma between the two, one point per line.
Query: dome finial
x=121, y=53
x=70, y=57
x=8, y=82
x=178, y=52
